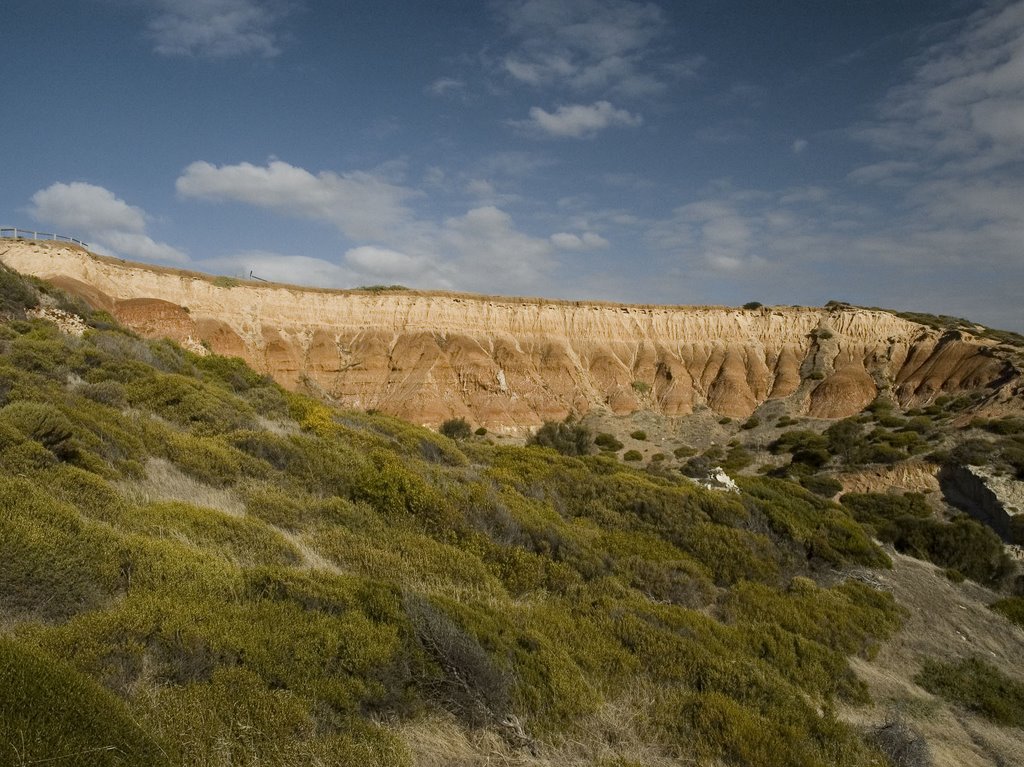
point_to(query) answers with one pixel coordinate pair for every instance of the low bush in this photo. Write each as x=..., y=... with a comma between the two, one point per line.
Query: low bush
x=469, y=684
x=456, y=428
x=824, y=529
x=632, y=455
x=63, y=566
x=43, y=423
x=901, y=743
x=639, y=434
x=907, y=522
x=822, y=484
x=1012, y=608
x=16, y=295
x=566, y=438
x=52, y=713
x=608, y=442
x=976, y=685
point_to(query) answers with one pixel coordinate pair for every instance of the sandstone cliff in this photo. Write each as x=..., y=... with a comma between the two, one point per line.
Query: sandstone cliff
x=512, y=363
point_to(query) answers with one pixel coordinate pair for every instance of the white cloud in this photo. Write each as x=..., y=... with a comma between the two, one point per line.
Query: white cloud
x=585, y=241
x=804, y=194
x=481, y=250
x=96, y=214
x=888, y=171
x=282, y=267
x=513, y=164
x=444, y=86
x=579, y=120
x=385, y=262
x=964, y=104
x=216, y=28
x=800, y=146
x=362, y=205
x=480, y=187
x=585, y=45
x=492, y=255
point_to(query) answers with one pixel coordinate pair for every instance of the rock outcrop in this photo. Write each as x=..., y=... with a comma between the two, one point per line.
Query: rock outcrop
x=512, y=363
x=998, y=501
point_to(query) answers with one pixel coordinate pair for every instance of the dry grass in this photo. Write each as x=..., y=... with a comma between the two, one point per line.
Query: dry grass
x=945, y=620
x=165, y=482
x=311, y=558
x=611, y=737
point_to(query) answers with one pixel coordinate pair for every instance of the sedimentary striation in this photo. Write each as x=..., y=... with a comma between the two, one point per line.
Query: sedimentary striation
x=512, y=363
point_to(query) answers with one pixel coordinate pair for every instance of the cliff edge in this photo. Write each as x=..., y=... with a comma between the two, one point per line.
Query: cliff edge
x=512, y=363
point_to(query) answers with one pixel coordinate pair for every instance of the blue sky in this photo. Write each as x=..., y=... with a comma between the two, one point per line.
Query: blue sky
x=685, y=152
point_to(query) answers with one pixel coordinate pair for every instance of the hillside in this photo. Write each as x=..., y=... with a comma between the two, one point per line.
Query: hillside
x=202, y=568
x=510, y=364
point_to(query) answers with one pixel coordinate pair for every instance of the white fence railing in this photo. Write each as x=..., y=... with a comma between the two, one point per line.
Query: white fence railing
x=13, y=233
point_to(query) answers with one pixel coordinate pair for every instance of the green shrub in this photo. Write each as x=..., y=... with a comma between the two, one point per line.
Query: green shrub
x=52, y=713
x=737, y=458
x=608, y=442
x=822, y=484
x=110, y=393
x=697, y=467
x=824, y=530
x=45, y=424
x=567, y=438
x=63, y=565
x=639, y=434
x=632, y=455
x=456, y=428
x=1012, y=608
x=683, y=451
x=976, y=685
x=237, y=539
x=751, y=423
x=16, y=295
x=469, y=685
x=208, y=459
x=750, y=305
x=187, y=402
x=907, y=522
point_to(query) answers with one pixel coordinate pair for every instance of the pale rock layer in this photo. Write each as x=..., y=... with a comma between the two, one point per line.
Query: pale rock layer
x=512, y=363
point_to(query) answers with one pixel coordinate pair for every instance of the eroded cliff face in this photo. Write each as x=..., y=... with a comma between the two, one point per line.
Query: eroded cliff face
x=510, y=364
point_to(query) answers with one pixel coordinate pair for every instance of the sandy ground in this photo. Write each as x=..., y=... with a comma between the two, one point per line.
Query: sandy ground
x=950, y=621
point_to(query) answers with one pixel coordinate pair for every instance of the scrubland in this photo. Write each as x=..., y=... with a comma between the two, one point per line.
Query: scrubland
x=199, y=568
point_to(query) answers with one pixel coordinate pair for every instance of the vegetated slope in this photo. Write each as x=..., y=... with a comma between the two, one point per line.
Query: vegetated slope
x=511, y=364
x=201, y=568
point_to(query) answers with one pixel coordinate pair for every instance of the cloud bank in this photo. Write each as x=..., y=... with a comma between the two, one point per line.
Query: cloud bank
x=590, y=45
x=106, y=220
x=216, y=28
x=579, y=120
x=475, y=251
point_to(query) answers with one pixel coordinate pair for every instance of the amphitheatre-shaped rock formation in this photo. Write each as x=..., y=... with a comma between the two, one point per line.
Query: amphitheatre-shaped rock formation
x=512, y=363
